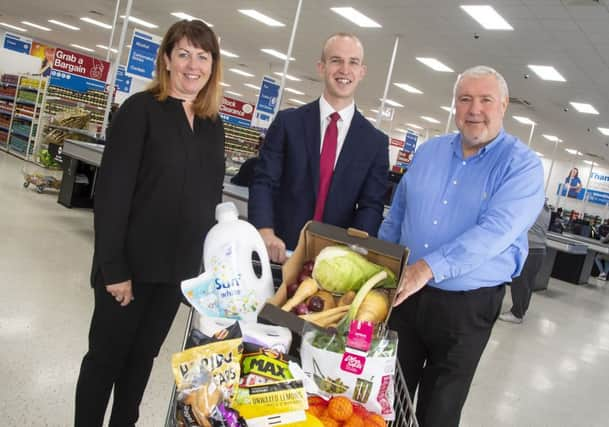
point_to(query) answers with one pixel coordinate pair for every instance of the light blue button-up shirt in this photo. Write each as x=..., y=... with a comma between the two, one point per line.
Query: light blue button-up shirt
x=467, y=218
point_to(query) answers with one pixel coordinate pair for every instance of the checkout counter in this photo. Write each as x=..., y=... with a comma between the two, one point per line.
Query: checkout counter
x=80, y=163
x=570, y=258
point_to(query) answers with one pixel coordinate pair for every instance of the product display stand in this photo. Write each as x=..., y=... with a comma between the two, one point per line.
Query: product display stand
x=25, y=115
x=8, y=89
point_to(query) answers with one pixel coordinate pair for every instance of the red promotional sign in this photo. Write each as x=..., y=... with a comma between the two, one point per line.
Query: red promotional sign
x=81, y=65
x=241, y=111
x=397, y=143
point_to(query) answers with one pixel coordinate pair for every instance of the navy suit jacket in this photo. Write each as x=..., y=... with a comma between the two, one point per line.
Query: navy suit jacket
x=284, y=189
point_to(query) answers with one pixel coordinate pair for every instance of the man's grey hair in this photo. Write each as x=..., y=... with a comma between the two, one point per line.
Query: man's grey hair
x=483, y=71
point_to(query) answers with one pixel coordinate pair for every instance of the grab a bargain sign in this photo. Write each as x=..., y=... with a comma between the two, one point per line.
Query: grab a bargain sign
x=78, y=64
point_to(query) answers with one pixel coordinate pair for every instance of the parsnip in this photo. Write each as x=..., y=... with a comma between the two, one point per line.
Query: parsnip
x=346, y=298
x=374, y=308
x=316, y=317
x=307, y=288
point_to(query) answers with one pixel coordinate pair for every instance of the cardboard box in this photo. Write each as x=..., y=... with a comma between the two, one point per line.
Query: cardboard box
x=314, y=237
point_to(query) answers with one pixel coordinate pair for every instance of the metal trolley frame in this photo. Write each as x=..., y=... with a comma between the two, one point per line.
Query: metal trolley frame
x=404, y=410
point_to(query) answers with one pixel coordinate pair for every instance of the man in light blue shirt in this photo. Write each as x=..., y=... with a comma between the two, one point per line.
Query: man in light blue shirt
x=463, y=209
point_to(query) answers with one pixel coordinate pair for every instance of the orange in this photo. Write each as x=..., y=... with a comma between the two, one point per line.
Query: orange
x=316, y=400
x=360, y=410
x=376, y=420
x=354, y=421
x=340, y=408
x=316, y=410
x=329, y=422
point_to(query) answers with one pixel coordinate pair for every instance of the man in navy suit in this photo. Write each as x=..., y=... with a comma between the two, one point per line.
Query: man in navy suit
x=317, y=164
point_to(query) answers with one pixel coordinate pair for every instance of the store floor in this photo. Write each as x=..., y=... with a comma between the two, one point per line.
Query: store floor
x=550, y=371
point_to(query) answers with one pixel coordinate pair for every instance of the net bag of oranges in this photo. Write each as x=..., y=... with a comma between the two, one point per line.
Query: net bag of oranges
x=364, y=377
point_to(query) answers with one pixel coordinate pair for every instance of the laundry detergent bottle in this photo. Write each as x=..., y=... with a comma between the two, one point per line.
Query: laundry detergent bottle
x=227, y=255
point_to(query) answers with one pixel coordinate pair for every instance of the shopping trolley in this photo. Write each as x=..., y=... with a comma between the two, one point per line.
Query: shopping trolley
x=402, y=404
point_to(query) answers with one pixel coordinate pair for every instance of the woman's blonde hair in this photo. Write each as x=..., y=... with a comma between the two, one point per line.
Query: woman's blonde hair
x=207, y=102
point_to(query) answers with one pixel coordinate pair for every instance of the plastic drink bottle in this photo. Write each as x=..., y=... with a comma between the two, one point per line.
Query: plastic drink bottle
x=227, y=256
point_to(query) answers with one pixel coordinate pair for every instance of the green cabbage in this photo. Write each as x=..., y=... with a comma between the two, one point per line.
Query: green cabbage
x=339, y=269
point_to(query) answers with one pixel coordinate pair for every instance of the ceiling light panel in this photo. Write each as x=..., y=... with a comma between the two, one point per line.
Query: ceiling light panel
x=13, y=27
x=412, y=125
x=539, y=154
x=524, y=120
x=276, y=54
x=294, y=91
x=224, y=84
x=141, y=22
x=392, y=103
x=488, y=17
x=430, y=119
x=86, y=49
x=38, y=27
x=584, y=108
x=96, y=22
x=571, y=151
x=64, y=25
x=448, y=109
x=408, y=88
x=251, y=86
x=260, y=17
x=547, y=72
x=101, y=46
x=297, y=101
x=182, y=15
x=288, y=77
x=434, y=64
x=240, y=72
x=228, y=54
x=604, y=131
x=552, y=138
x=400, y=130
x=230, y=92
x=356, y=17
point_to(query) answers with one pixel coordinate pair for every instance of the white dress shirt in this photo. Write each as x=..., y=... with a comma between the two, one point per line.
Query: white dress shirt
x=346, y=115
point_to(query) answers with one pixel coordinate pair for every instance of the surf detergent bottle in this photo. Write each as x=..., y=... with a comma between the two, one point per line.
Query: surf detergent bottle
x=227, y=256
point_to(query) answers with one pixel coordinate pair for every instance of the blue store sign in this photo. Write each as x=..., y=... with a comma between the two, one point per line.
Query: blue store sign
x=266, y=107
x=17, y=43
x=142, y=55
x=74, y=82
x=123, y=82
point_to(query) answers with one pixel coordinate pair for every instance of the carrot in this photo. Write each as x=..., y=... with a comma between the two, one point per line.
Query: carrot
x=307, y=288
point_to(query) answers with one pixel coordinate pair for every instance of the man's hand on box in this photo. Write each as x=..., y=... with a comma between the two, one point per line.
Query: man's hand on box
x=274, y=245
x=414, y=278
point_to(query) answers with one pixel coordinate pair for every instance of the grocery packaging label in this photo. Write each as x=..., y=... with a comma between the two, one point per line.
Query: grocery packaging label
x=353, y=363
x=221, y=358
x=234, y=298
x=269, y=399
x=360, y=335
x=383, y=396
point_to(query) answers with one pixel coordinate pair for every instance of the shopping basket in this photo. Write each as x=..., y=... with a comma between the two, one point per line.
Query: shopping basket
x=402, y=405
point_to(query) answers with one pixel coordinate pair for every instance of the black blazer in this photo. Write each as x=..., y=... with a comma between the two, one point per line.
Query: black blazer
x=156, y=192
x=286, y=180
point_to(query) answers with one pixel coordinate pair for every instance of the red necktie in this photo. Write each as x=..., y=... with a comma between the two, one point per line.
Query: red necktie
x=326, y=165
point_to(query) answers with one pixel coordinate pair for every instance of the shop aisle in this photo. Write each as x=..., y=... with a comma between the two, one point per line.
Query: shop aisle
x=549, y=371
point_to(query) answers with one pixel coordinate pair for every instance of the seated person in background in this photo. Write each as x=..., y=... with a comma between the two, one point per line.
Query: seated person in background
x=603, y=229
x=246, y=173
x=602, y=261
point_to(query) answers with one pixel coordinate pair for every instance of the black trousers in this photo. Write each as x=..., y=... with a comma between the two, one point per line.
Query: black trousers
x=123, y=342
x=522, y=286
x=441, y=338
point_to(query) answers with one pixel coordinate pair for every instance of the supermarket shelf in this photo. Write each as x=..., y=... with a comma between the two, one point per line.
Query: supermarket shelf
x=7, y=84
x=25, y=102
x=57, y=99
x=7, y=112
x=3, y=128
x=19, y=134
x=31, y=88
x=23, y=117
x=7, y=98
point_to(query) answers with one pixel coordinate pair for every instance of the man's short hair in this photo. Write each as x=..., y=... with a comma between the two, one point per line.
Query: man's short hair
x=483, y=71
x=340, y=34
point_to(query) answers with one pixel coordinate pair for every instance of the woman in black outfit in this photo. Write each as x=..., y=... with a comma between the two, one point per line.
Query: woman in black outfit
x=159, y=182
